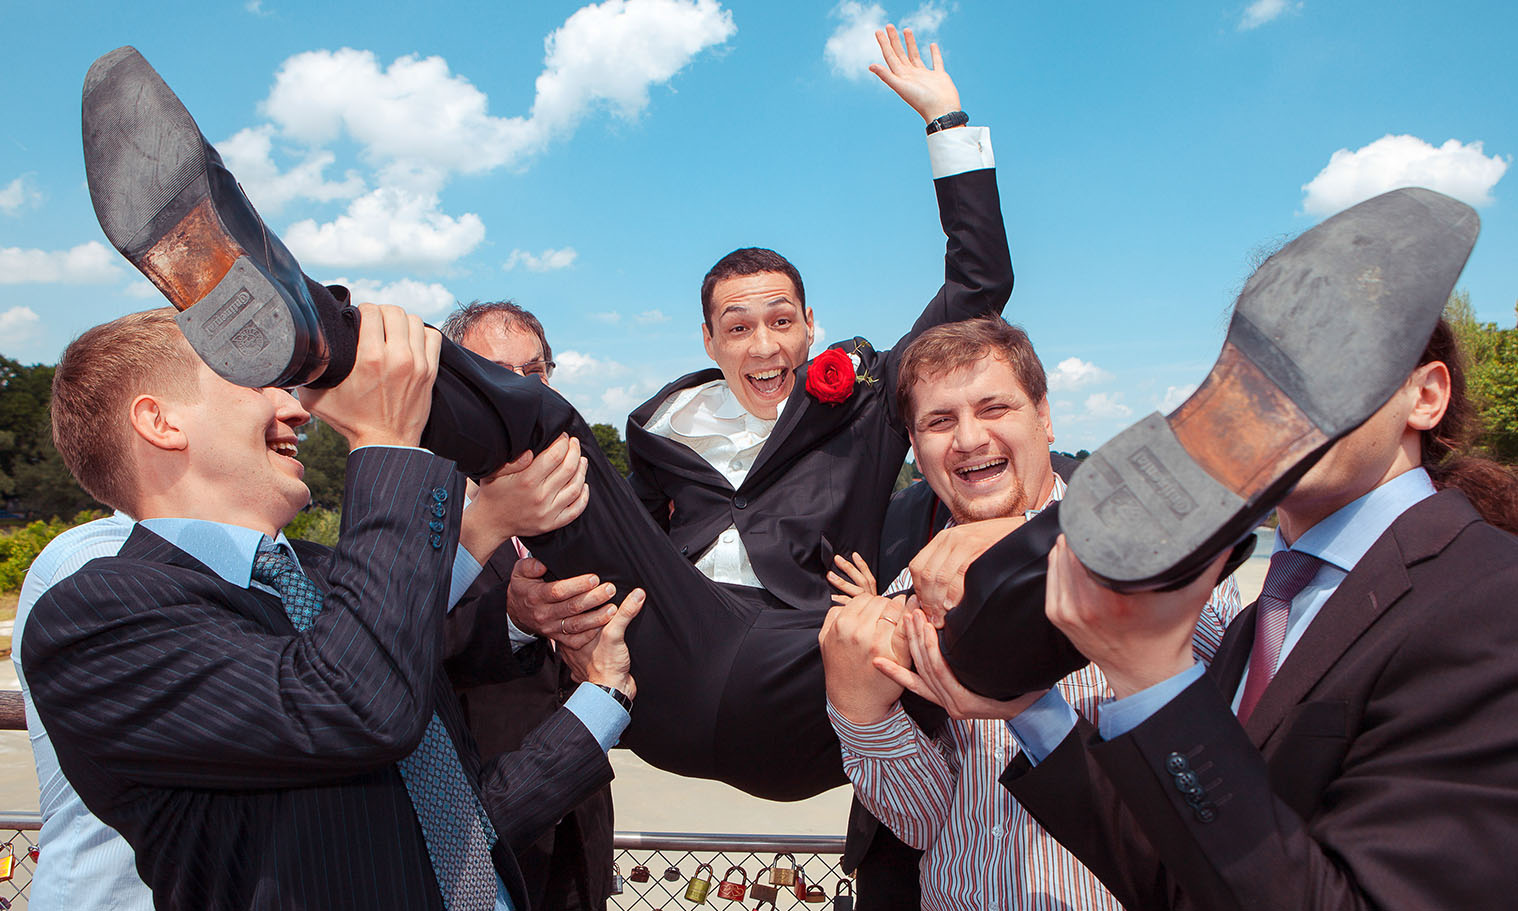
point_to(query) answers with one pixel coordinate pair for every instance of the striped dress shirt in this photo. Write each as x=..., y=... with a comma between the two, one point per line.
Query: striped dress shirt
x=940, y=794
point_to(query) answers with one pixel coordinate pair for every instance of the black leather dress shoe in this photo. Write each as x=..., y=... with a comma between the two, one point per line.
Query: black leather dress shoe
x=1323, y=334
x=169, y=205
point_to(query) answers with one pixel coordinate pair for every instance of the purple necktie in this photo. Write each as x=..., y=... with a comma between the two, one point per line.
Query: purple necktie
x=1289, y=572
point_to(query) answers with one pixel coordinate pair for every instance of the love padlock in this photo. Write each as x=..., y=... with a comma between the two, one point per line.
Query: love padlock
x=763, y=891
x=639, y=874
x=842, y=902
x=800, y=883
x=783, y=876
x=617, y=883
x=8, y=864
x=34, y=852
x=733, y=891
x=696, y=890
x=815, y=895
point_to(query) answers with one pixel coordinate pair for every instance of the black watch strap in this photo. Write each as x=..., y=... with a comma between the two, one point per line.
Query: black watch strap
x=624, y=700
x=951, y=119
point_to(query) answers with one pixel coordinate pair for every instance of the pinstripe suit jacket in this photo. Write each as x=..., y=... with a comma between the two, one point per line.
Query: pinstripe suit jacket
x=252, y=767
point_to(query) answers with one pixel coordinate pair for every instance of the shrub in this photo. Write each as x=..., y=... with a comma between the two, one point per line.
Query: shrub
x=20, y=547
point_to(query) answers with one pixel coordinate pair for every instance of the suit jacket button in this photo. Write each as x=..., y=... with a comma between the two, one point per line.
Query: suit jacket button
x=435, y=525
x=1186, y=781
x=1176, y=763
x=439, y=494
x=1205, y=814
x=436, y=541
x=685, y=551
x=741, y=502
x=439, y=510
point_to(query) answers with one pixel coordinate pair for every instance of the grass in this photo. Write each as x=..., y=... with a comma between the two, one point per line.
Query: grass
x=8, y=602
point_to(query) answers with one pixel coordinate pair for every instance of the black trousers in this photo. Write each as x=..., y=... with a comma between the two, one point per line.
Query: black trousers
x=730, y=682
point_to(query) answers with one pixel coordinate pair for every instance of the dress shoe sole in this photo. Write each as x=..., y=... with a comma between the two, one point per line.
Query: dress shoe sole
x=166, y=203
x=1324, y=333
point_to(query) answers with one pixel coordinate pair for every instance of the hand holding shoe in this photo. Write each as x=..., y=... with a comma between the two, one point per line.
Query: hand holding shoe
x=385, y=400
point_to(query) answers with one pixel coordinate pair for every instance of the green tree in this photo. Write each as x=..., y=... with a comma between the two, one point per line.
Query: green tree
x=906, y=476
x=324, y=452
x=33, y=479
x=612, y=444
x=1491, y=356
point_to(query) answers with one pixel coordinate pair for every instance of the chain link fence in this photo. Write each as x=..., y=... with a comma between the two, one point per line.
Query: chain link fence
x=671, y=860
x=18, y=846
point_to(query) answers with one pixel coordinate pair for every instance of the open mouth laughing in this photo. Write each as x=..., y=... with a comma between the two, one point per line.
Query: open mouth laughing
x=982, y=471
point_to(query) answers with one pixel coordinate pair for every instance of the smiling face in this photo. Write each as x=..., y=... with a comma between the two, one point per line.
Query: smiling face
x=760, y=333
x=980, y=443
x=241, y=450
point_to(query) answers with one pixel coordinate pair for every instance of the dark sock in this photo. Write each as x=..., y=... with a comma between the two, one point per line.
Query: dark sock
x=338, y=320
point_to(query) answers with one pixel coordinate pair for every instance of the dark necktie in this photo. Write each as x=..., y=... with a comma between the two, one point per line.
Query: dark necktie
x=1289, y=572
x=458, y=833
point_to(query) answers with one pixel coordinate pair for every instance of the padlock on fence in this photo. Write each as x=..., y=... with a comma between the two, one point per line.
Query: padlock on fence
x=639, y=874
x=815, y=895
x=762, y=889
x=672, y=874
x=617, y=883
x=800, y=884
x=733, y=891
x=783, y=876
x=842, y=902
x=696, y=890
x=8, y=863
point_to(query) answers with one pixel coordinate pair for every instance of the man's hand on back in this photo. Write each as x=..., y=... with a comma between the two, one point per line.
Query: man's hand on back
x=387, y=397
x=568, y=611
x=605, y=659
x=930, y=92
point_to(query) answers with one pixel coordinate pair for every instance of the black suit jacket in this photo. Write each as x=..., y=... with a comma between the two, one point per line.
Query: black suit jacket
x=1379, y=769
x=820, y=484
x=504, y=696
x=253, y=767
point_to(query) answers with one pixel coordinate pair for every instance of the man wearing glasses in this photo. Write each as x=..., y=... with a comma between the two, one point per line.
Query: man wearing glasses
x=570, y=865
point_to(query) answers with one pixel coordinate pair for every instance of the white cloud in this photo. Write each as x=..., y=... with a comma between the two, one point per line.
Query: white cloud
x=18, y=194
x=575, y=366
x=611, y=317
x=388, y=226
x=1260, y=12
x=249, y=154
x=547, y=261
x=417, y=111
x=651, y=317
x=852, y=47
x=19, y=326
x=141, y=289
x=1073, y=373
x=1103, y=406
x=819, y=336
x=1175, y=395
x=1461, y=170
x=256, y=7
x=426, y=299
x=87, y=264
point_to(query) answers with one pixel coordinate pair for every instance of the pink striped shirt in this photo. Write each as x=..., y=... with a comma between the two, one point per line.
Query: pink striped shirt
x=983, y=852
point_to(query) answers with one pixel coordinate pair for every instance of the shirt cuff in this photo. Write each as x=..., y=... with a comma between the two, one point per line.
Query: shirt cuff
x=960, y=149
x=465, y=570
x=1043, y=725
x=601, y=714
x=890, y=737
x=1120, y=716
x=520, y=638
x=395, y=446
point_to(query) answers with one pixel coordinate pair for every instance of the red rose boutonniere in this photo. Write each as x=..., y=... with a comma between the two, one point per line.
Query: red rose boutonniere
x=832, y=376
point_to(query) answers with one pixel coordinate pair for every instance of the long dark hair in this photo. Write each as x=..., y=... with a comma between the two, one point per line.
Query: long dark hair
x=1491, y=488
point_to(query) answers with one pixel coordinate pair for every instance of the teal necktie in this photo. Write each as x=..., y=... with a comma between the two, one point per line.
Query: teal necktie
x=458, y=833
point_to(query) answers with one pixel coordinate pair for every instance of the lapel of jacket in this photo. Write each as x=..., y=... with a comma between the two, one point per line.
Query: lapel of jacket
x=265, y=609
x=1377, y=582
x=1233, y=652
x=668, y=454
x=805, y=421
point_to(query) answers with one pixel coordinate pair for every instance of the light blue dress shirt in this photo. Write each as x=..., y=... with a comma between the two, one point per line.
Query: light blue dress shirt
x=1339, y=540
x=85, y=864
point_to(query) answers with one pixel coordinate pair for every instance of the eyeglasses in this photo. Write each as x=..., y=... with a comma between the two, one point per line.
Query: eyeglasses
x=537, y=367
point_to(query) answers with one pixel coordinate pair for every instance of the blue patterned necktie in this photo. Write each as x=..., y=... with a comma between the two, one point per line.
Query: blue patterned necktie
x=458, y=833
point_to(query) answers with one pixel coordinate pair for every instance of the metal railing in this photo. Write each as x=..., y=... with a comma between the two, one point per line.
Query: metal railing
x=671, y=858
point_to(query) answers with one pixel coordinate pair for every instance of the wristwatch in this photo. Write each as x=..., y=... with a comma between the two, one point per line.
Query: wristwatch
x=624, y=700
x=951, y=119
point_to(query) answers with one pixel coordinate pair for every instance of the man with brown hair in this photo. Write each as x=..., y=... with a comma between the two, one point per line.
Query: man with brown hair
x=975, y=398
x=262, y=720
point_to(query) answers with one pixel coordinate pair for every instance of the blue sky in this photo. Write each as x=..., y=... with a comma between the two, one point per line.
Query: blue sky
x=591, y=162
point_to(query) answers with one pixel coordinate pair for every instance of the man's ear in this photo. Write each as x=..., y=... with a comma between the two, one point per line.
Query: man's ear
x=1430, y=388
x=152, y=421
x=706, y=340
x=811, y=329
x=1043, y=415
